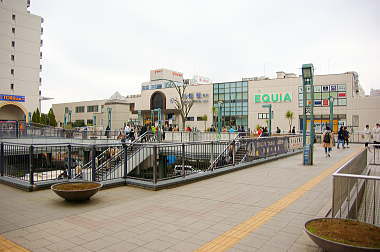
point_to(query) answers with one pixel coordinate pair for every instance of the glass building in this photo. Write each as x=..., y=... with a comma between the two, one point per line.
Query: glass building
x=233, y=99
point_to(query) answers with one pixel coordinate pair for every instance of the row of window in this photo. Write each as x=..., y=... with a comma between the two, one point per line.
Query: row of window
x=326, y=102
x=228, y=85
x=160, y=85
x=192, y=118
x=80, y=109
x=230, y=96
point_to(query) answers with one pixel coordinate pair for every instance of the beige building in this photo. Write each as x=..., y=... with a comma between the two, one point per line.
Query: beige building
x=20, y=54
x=241, y=103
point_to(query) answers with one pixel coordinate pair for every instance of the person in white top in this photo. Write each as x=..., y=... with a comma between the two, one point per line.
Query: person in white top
x=366, y=135
x=127, y=130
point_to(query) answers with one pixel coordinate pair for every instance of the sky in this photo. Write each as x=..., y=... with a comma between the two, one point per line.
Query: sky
x=95, y=48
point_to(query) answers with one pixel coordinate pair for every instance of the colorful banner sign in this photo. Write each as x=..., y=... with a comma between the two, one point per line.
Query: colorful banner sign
x=14, y=98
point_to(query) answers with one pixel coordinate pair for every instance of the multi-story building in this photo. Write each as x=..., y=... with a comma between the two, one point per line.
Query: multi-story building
x=240, y=103
x=20, y=54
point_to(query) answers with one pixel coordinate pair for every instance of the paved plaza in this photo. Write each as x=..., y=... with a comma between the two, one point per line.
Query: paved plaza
x=262, y=208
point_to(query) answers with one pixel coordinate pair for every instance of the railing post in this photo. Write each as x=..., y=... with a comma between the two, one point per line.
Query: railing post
x=155, y=164
x=183, y=160
x=181, y=137
x=93, y=164
x=212, y=153
x=70, y=162
x=125, y=160
x=2, y=159
x=31, y=172
x=233, y=152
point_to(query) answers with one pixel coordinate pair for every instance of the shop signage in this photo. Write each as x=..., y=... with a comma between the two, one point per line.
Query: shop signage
x=14, y=98
x=276, y=97
x=197, y=97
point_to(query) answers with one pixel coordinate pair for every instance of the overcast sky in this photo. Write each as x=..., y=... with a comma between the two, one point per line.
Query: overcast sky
x=94, y=48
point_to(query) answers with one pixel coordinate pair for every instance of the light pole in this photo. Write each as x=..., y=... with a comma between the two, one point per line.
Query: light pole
x=308, y=108
x=220, y=116
x=109, y=115
x=269, y=106
x=331, y=103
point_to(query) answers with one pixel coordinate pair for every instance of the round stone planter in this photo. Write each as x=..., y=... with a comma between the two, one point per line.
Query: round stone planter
x=332, y=246
x=76, y=191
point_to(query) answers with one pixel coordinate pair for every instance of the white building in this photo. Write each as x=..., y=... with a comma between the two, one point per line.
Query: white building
x=20, y=54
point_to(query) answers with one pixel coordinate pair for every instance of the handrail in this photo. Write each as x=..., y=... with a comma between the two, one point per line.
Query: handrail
x=220, y=155
x=357, y=176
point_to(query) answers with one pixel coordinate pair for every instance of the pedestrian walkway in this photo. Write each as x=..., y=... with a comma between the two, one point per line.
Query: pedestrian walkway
x=262, y=208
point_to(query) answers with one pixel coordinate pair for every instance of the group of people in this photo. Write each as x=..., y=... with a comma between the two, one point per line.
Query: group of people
x=368, y=136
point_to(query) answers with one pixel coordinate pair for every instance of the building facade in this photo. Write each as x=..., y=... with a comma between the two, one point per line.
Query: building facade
x=240, y=103
x=20, y=54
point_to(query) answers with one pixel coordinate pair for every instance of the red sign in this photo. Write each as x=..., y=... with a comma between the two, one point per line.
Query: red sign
x=341, y=94
x=325, y=102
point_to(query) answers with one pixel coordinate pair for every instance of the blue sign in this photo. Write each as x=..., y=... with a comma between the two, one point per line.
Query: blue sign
x=15, y=98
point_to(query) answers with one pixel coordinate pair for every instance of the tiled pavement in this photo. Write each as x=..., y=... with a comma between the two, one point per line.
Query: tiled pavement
x=177, y=219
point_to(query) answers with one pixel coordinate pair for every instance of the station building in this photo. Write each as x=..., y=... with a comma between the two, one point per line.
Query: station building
x=20, y=54
x=240, y=103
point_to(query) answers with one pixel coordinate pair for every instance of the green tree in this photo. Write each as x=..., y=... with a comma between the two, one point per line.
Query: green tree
x=36, y=117
x=52, y=121
x=289, y=115
x=44, y=119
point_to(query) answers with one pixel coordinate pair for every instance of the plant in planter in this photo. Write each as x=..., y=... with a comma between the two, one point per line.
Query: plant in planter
x=333, y=234
x=76, y=191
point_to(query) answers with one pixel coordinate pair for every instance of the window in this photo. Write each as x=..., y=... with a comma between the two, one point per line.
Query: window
x=40, y=55
x=13, y=30
x=200, y=118
x=12, y=71
x=90, y=122
x=145, y=87
x=13, y=44
x=12, y=86
x=79, y=109
x=93, y=108
x=66, y=110
x=40, y=80
x=41, y=42
x=12, y=57
x=13, y=17
x=190, y=118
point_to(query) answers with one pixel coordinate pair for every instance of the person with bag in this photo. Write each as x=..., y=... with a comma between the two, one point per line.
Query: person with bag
x=327, y=141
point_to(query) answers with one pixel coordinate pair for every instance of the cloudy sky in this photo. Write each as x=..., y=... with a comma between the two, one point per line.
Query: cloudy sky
x=94, y=48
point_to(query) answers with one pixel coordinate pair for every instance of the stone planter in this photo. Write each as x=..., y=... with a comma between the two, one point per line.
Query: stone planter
x=76, y=191
x=333, y=246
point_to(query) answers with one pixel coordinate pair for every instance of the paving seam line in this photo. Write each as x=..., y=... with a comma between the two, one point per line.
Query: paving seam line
x=240, y=231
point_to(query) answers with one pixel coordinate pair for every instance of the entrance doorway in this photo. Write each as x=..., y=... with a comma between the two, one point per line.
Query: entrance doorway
x=12, y=112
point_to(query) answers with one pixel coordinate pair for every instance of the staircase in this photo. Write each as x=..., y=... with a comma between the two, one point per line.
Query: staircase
x=240, y=155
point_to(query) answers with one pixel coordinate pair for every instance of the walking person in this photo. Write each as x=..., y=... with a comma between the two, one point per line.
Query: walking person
x=376, y=135
x=366, y=136
x=328, y=140
x=341, y=137
x=346, y=136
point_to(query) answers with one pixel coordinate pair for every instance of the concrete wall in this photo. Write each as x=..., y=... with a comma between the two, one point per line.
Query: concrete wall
x=26, y=63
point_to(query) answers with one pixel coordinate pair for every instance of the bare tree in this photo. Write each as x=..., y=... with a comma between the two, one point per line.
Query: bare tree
x=184, y=102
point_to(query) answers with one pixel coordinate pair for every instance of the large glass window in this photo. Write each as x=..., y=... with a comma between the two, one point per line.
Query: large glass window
x=93, y=108
x=79, y=109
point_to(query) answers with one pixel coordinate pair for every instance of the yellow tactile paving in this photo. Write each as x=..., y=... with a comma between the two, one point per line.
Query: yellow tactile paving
x=7, y=245
x=237, y=233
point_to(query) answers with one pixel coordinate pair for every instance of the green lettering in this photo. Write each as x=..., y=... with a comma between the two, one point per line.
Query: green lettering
x=274, y=99
x=257, y=98
x=266, y=98
x=287, y=97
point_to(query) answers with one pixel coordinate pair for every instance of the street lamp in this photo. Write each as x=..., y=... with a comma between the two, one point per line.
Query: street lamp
x=308, y=108
x=220, y=116
x=269, y=106
x=109, y=115
x=331, y=103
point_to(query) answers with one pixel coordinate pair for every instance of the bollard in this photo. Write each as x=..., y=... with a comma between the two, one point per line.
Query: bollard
x=233, y=152
x=212, y=154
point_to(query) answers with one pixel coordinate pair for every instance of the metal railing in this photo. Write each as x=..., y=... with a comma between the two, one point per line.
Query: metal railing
x=185, y=136
x=356, y=191
x=149, y=161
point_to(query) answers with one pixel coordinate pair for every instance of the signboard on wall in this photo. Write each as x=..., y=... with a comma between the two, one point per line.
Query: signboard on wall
x=272, y=98
x=14, y=98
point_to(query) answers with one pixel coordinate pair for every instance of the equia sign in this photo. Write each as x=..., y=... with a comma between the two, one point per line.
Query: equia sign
x=276, y=97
